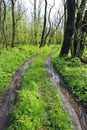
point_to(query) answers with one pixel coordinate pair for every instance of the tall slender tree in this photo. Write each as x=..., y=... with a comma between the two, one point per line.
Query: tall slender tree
x=44, y=25
x=13, y=22
x=3, y=24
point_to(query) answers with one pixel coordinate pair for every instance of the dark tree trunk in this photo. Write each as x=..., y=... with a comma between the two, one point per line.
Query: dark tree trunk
x=84, y=34
x=78, y=30
x=13, y=23
x=3, y=25
x=34, y=10
x=69, y=30
x=65, y=15
x=44, y=25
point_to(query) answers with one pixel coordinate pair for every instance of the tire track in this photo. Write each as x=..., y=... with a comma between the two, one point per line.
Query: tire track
x=9, y=98
x=75, y=111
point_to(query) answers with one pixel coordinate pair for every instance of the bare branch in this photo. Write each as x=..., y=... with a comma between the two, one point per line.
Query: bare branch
x=31, y=2
x=39, y=8
x=49, y=21
x=16, y=20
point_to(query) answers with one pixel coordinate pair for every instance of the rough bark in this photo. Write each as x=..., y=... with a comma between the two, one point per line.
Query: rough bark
x=84, y=34
x=78, y=30
x=65, y=15
x=13, y=23
x=46, y=36
x=69, y=30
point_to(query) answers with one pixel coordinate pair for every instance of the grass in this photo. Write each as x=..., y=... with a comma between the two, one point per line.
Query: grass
x=39, y=106
x=74, y=73
x=10, y=60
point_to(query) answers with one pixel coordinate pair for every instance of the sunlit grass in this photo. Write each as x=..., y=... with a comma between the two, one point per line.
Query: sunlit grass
x=75, y=76
x=11, y=59
x=39, y=105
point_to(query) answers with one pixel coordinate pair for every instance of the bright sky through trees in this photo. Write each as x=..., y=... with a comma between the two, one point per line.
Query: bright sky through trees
x=58, y=4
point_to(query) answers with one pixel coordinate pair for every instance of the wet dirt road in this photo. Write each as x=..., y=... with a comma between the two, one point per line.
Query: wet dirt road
x=78, y=116
x=9, y=99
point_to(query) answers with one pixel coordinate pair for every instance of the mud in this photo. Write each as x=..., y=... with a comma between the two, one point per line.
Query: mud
x=76, y=111
x=9, y=99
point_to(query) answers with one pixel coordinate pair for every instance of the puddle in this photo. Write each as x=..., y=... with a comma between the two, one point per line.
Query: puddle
x=77, y=113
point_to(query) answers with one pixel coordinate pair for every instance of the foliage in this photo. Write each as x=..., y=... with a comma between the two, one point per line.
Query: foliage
x=10, y=60
x=39, y=105
x=75, y=76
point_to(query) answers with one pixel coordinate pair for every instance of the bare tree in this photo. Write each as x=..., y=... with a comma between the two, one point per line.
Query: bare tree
x=13, y=22
x=44, y=25
x=39, y=9
x=34, y=10
x=35, y=20
x=49, y=22
x=3, y=24
x=52, y=32
x=78, y=30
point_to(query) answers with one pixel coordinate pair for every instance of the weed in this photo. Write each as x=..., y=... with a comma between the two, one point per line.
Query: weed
x=39, y=103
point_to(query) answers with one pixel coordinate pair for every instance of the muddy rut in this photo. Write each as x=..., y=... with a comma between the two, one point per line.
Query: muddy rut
x=77, y=113
x=10, y=97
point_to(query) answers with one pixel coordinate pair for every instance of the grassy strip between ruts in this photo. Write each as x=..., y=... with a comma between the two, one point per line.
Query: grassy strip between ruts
x=11, y=59
x=74, y=72
x=39, y=106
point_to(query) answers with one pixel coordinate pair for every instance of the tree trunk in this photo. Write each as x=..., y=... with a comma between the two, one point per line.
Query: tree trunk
x=46, y=36
x=39, y=9
x=84, y=34
x=3, y=25
x=65, y=15
x=78, y=30
x=13, y=23
x=44, y=25
x=69, y=30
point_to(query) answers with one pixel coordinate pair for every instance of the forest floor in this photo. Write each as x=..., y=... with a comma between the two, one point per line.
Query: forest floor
x=75, y=110
x=9, y=99
x=36, y=98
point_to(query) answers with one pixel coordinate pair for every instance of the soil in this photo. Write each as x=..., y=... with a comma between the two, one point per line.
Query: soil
x=9, y=98
x=76, y=111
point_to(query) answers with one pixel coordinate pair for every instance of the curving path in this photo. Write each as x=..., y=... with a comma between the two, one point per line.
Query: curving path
x=10, y=97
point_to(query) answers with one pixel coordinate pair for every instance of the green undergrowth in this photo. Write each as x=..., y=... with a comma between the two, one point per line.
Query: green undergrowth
x=39, y=106
x=11, y=59
x=74, y=73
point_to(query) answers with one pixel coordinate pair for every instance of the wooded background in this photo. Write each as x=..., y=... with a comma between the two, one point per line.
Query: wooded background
x=42, y=25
